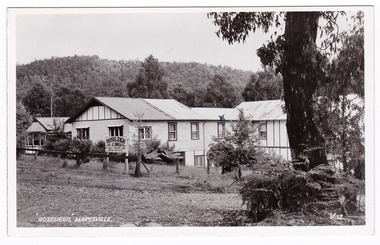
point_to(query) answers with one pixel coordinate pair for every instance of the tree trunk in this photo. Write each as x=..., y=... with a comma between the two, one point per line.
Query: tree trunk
x=138, y=164
x=343, y=136
x=300, y=72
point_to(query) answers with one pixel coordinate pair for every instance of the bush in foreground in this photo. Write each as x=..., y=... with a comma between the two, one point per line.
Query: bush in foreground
x=323, y=190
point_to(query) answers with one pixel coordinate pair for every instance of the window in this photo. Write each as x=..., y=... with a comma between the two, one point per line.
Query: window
x=195, y=131
x=199, y=161
x=42, y=139
x=263, y=131
x=145, y=133
x=221, y=130
x=115, y=131
x=172, y=131
x=36, y=139
x=83, y=133
x=29, y=140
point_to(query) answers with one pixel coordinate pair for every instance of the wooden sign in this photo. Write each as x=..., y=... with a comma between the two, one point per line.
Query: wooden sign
x=116, y=144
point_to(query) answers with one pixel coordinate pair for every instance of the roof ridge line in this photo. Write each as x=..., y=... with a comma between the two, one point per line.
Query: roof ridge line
x=158, y=109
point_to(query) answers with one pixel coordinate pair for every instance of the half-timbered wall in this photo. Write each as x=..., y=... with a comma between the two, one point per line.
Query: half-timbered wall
x=98, y=113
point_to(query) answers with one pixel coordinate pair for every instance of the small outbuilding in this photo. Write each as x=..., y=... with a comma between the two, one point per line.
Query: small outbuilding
x=42, y=127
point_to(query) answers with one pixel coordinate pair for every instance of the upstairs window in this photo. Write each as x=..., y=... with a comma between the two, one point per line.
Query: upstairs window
x=195, y=131
x=116, y=131
x=172, y=131
x=221, y=130
x=263, y=131
x=145, y=133
x=83, y=133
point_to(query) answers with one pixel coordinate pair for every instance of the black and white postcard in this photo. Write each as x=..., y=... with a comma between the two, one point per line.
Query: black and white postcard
x=190, y=121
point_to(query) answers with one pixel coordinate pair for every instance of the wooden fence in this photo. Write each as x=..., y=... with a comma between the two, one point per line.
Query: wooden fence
x=78, y=156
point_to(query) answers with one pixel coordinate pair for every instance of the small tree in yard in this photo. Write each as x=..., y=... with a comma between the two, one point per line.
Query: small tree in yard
x=137, y=144
x=237, y=148
x=23, y=120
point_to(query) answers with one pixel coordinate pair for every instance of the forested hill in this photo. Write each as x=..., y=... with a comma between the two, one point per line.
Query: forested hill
x=87, y=76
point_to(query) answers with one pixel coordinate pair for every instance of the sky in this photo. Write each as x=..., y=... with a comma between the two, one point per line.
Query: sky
x=180, y=37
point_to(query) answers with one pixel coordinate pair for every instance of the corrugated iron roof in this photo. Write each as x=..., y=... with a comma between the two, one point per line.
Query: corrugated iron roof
x=170, y=109
x=263, y=110
x=49, y=122
x=173, y=108
x=205, y=113
x=131, y=108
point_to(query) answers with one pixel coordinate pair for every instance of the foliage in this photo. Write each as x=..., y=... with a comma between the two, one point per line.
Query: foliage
x=296, y=57
x=342, y=103
x=148, y=83
x=37, y=100
x=60, y=141
x=88, y=76
x=183, y=95
x=23, y=121
x=68, y=100
x=237, y=148
x=274, y=186
x=220, y=93
x=235, y=27
x=263, y=86
x=99, y=147
x=156, y=144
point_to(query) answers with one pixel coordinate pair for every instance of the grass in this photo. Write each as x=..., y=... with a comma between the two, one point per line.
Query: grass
x=188, y=178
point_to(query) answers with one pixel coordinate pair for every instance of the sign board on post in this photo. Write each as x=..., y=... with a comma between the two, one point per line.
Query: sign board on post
x=116, y=144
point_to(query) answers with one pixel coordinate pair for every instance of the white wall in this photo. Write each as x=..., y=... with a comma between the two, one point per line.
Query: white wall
x=277, y=139
x=276, y=134
x=99, y=128
x=184, y=142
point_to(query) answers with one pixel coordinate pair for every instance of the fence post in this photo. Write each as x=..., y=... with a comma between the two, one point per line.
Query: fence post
x=176, y=166
x=106, y=162
x=77, y=160
x=35, y=155
x=126, y=167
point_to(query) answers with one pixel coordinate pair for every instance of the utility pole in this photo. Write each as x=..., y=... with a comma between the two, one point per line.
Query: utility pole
x=51, y=102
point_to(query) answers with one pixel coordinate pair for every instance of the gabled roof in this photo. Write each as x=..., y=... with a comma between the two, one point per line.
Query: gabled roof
x=133, y=108
x=263, y=110
x=48, y=123
x=130, y=108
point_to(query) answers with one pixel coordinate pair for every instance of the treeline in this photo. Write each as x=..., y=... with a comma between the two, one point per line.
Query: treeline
x=65, y=84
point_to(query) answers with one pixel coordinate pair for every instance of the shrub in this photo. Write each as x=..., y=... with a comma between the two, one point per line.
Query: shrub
x=237, y=148
x=274, y=186
x=59, y=144
x=99, y=147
